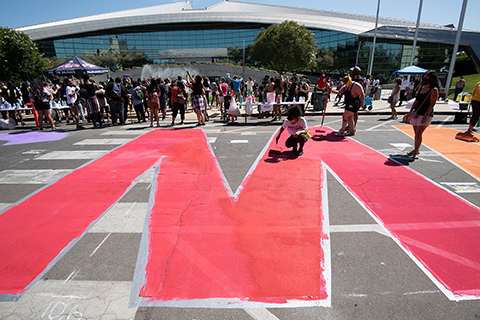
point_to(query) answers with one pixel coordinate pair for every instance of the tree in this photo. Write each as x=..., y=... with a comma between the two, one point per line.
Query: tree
x=325, y=60
x=18, y=54
x=235, y=54
x=52, y=62
x=463, y=65
x=285, y=47
x=433, y=58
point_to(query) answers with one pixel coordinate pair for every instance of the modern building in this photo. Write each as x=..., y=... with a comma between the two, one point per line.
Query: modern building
x=178, y=33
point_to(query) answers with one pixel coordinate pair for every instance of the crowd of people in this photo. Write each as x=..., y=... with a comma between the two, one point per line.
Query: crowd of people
x=109, y=101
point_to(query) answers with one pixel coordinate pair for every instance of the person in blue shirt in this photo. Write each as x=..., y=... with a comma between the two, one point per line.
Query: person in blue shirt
x=235, y=85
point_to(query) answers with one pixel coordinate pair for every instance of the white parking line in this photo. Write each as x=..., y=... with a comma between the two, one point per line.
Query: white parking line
x=123, y=133
x=43, y=176
x=101, y=141
x=444, y=121
x=380, y=125
x=260, y=314
x=72, y=155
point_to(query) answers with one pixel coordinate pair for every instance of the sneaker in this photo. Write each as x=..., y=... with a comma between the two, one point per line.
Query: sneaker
x=158, y=124
x=300, y=153
x=350, y=133
x=340, y=133
x=80, y=127
x=395, y=118
x=181, y=122
x=163, y=118
x=151, y=125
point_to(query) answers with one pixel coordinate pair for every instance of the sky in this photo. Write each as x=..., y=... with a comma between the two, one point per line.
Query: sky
x=16, y=14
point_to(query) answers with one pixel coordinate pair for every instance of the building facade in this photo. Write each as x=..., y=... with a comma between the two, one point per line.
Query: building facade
x=177, y=33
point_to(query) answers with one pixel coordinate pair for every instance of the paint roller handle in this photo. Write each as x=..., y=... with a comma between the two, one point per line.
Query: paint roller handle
x=279, y=134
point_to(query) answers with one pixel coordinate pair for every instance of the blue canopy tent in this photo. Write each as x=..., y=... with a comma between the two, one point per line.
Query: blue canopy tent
x=410, y=70
x=75, y=66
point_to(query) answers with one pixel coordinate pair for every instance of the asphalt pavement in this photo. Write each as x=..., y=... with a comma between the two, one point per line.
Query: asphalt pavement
x=372, y=276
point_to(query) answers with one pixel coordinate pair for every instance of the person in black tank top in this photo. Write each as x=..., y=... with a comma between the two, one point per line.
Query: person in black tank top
x=421, y=114
x=354, y=98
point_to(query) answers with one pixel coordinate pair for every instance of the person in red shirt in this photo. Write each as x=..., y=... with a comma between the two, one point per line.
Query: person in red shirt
x=321, y=82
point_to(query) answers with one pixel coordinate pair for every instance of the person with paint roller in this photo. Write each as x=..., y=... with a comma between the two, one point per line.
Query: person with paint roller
x=354, y=100
x=296, y=126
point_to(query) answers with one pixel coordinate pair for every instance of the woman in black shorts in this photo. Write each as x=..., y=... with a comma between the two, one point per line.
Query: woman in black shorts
x=41, y=97
x=354, y=99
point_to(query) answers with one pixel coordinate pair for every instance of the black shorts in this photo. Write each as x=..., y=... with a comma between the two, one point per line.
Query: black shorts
x=41, y=105
x=352, y=108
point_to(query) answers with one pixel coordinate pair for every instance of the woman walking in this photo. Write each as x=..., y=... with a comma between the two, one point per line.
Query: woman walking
x=394, y=98
x=354, y=100
x=421, y=114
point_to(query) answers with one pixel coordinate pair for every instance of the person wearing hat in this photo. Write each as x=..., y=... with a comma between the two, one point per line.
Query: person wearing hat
x=354, y=100
x=321, y=82
x=357, y=78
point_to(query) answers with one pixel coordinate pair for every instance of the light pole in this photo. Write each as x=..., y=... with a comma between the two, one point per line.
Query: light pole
x=416, y=32
x=370, y=66
x=455, y=48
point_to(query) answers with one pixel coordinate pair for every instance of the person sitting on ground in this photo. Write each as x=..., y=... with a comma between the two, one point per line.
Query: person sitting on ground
x=296, y=126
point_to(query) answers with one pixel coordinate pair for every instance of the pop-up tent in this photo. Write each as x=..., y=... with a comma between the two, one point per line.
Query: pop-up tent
x=76, y=66
x=410, y=70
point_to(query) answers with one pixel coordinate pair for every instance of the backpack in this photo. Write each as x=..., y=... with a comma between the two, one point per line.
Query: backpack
x=116, y=91
x=138, y=92
x=154, y=98
x=180, y=96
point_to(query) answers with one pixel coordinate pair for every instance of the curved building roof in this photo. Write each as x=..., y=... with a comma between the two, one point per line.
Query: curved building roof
x=225, y=11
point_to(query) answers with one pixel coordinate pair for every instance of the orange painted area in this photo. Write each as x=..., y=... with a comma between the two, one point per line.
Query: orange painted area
x=465, y=154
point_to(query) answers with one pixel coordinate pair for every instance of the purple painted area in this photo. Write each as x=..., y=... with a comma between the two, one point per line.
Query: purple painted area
x=31, y=137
